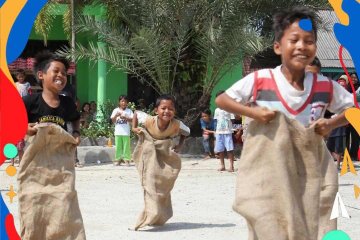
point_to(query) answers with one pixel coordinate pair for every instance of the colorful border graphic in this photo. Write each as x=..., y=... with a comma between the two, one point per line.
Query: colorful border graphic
x=17, y=17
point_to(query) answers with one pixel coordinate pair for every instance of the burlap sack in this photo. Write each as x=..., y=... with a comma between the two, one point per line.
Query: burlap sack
x=48, y=203
x=158, y=167
x=286, y=182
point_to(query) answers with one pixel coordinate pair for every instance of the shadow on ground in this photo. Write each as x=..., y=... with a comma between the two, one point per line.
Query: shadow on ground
x=186, y=225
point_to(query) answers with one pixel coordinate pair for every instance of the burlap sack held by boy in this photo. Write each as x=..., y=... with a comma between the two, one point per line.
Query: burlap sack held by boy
x=48, y=203
x=288, y=193
x=158, y=167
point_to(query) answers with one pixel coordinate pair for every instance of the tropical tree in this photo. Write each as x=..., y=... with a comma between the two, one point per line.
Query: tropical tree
x=182, y=47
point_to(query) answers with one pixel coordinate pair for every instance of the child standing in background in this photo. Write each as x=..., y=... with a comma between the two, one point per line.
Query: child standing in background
x=208, y=127
x=223, y=136
x=337, y=138
x=121, y=117
x=24, y=89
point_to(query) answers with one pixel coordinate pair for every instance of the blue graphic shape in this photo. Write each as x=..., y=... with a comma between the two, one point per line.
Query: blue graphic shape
x=305, y=24
x=4, y=211
x=336, y=235
x=21, y=29
x=1, y=3
x=346, y=35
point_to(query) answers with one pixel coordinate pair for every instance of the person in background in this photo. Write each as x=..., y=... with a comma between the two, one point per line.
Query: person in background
x=337, y=138
x=85, y=115
x=24, y=90
x=352, y=137
x=223, y=136
x=208, y=128
x=314, y=66
x=93, y=110
x=121, y=117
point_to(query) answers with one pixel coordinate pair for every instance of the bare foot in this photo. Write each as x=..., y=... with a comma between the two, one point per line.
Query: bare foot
x=207, y=157
x=221, y=169
x=231, y=170
x=127, y=163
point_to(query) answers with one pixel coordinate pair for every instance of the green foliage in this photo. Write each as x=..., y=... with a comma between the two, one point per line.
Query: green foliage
x=102, y=125
x=181, y=47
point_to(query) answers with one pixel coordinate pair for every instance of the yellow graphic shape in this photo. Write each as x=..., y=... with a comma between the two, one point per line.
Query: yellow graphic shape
x=342, y=16
x=11, y=171
x=11, y=193
x=356, y=191
x=8, y=14
x=353, y=116
x=347, y=161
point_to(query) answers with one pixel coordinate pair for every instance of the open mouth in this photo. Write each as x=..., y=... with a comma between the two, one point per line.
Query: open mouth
x=302, y=57
x=58, y=82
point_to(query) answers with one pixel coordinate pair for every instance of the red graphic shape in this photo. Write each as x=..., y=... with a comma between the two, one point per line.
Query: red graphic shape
x=13, y=117
x=348, y=75
x=10, y=228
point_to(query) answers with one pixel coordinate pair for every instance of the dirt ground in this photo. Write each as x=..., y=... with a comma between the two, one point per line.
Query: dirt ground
x=111, y=199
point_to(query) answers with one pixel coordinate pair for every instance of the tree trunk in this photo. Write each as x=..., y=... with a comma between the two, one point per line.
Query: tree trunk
x=193, y=114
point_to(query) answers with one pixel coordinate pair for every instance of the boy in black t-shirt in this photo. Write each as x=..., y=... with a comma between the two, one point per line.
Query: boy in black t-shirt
x=48, y=106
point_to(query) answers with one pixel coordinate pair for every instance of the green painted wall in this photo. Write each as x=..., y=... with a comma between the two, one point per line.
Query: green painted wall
x=227, y=81
x=87, y=83
x=117, y=85
x=87, y=74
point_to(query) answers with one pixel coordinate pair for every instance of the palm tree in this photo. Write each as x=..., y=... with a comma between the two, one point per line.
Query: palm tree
x=182, y=47
x=44, y=21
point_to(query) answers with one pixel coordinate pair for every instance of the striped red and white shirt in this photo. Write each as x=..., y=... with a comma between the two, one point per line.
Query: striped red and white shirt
x=269, y=88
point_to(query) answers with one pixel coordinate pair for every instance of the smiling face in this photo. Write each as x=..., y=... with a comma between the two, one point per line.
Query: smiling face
x=296, y=47
x=165, y=110
x=54, y=78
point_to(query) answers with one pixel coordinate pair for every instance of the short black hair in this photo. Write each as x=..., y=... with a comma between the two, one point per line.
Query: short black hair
x=20, y=71
x=84, y=104
x=219, y=93
x=121, y=97
x=354, y=73
x=43, y=61
x=165, y=97
x=283, y=19
x=316, y=62
x=207, y=111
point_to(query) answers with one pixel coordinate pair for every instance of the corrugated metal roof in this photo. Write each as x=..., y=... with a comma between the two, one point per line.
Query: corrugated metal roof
x=327, y=44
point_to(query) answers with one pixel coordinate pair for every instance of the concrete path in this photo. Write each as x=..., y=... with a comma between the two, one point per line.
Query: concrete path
x=111, y=200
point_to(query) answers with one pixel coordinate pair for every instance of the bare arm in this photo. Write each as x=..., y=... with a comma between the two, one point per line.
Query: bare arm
x=228, y=104
x=184, y=131
x=31, y=130
x=113, y=119
x=76, y=130
x=135, y=123
x=324, y=126
x=179, y=145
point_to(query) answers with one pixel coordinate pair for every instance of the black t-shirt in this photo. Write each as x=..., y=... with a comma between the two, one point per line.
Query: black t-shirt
x=39, y=111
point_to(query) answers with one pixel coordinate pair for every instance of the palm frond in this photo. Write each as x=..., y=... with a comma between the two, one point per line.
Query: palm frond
x=44, y=21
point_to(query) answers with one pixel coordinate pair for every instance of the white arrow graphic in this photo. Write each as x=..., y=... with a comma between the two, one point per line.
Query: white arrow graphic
x=335, y=213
